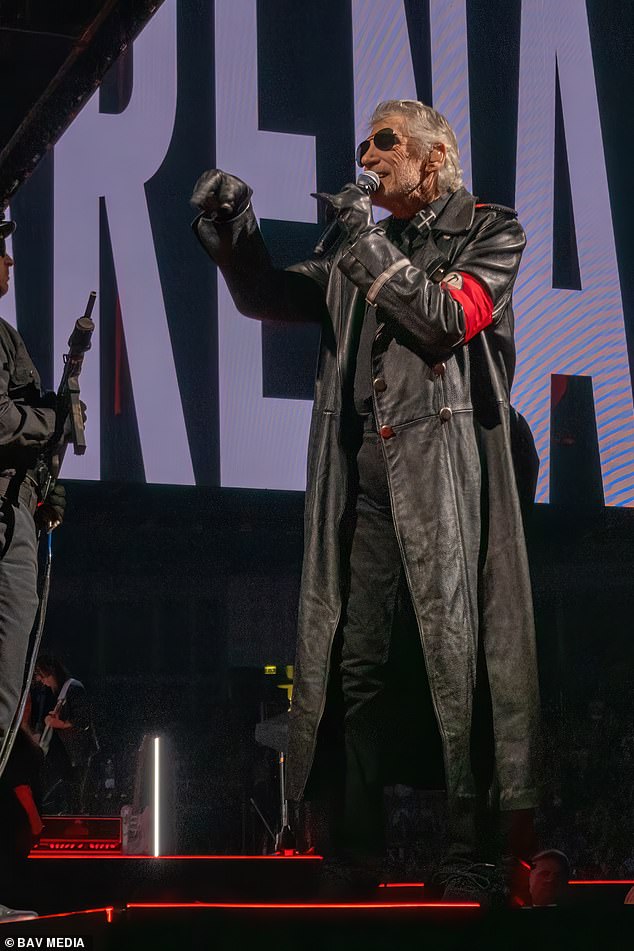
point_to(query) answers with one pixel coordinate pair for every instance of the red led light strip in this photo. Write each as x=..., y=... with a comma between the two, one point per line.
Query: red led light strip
x=108, y=911
x=603, y=881
x=111, y=820
x=402, y=885
x=287, y=906
x=63, y=854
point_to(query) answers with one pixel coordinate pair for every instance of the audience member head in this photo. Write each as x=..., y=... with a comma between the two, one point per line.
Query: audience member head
x=549, y=876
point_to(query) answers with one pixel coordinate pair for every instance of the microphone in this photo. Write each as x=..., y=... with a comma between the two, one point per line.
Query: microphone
x=368, y=181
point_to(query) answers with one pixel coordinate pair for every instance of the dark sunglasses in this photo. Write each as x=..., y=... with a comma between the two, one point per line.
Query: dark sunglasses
x=3, y=247
x=384, y=139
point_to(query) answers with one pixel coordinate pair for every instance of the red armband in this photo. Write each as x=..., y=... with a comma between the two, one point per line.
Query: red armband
x=473, y=297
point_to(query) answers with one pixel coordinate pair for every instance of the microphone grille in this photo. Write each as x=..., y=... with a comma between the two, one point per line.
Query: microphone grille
x=369, y=181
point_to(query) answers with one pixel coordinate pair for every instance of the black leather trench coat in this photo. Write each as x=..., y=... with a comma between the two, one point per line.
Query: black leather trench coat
x=448, y=454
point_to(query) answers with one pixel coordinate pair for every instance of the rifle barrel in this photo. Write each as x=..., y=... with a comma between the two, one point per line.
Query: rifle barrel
x=89, y=306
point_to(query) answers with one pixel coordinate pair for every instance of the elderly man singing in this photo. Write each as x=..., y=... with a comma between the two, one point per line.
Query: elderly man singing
x=413, y=518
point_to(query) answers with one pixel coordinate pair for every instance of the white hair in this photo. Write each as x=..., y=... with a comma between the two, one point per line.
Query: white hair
x=428, y=128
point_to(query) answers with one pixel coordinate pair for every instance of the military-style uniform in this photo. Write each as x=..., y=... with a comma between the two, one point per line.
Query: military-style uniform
x=27, y=422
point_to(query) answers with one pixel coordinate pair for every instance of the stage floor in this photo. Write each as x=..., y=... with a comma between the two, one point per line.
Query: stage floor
x=115, y=901
x=304, y=927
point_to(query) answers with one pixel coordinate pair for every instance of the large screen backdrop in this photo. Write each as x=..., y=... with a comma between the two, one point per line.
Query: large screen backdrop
x=180, y=388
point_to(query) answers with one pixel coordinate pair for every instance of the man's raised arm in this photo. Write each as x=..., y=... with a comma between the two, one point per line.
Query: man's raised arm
x=228, y=230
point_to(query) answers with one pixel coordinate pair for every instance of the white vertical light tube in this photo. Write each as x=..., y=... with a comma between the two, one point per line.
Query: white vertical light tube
x=157, y=801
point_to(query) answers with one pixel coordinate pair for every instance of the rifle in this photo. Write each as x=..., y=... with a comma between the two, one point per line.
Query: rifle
x=69, y=407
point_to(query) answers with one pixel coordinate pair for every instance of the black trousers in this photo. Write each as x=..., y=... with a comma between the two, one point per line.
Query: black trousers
x=377, y=598
x=379, y=614
x=18, y=602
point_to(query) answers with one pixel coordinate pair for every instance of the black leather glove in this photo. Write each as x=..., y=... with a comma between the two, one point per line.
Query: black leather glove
x=50, y=514
x=220, y=196
x=353, y=209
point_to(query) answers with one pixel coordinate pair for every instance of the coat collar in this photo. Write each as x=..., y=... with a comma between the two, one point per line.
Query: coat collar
x=455, y=218
x=457, y=215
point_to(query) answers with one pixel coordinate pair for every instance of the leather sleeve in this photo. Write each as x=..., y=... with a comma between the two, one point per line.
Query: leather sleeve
x=258, y=288
x=423, y=313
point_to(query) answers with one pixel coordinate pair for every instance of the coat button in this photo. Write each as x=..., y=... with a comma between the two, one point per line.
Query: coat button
x=379, y=385
x=439, y=369
x=445, y=414
x=386, y=432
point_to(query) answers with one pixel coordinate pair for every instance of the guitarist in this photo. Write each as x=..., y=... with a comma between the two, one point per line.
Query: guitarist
x=68, y=730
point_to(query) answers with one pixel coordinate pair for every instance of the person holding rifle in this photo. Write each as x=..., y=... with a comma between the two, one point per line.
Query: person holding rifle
x=27, y=424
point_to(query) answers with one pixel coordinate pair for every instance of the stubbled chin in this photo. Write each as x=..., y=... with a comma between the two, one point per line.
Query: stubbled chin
x=383, y=201
x=380, y=196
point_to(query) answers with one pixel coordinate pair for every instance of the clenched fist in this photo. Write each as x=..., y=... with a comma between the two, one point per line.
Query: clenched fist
x=220, y=195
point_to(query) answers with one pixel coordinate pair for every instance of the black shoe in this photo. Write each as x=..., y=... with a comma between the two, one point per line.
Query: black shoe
x=10, y=915
x=348, y=882
x=463, y=881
